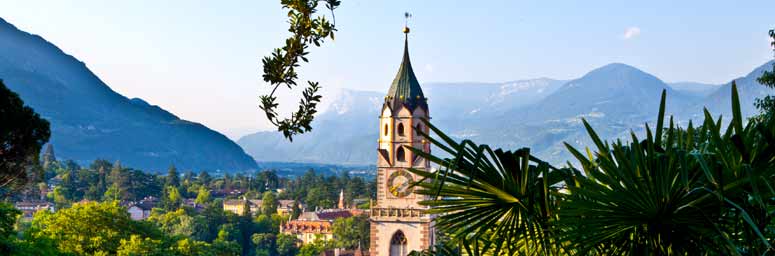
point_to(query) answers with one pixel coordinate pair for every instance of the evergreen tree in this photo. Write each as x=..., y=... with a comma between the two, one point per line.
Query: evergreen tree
x=116, y=175
x=112, y=193
x=202, y=196
x=269, y=204
x=227, y=181
x=171, y=198
x=246, y=229
x=188, y=178
x=67, y=190
x=173, y=179
x=22, y=134
x=120, y=178
x=102, y=183
x=204, y=178
x=296, y=211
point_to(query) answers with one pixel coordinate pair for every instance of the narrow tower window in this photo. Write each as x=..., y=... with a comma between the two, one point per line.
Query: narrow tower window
x=418, y=129
x=400, y=129
x=400, y=155
x=398, y=244
x=386, y=129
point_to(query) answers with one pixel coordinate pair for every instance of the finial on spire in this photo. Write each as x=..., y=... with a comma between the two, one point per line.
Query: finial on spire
x=407, y=15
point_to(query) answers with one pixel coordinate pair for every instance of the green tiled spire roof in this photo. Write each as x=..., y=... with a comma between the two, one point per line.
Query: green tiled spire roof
x=405, y=88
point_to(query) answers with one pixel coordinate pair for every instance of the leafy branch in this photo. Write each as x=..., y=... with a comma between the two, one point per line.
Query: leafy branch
x=280, y=67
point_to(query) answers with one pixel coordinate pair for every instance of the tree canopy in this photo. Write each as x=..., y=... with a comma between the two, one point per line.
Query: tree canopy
x=22, y=134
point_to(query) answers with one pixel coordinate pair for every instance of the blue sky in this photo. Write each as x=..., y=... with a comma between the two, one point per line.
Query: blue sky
x=201, y=59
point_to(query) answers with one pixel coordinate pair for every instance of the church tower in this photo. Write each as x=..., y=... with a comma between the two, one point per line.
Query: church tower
x=398, y=223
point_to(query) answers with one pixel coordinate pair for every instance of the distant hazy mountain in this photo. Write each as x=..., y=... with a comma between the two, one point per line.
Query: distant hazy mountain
x=89, y=120
x=749, y=89
x=346, y=133
x=540, y=114
x=699, y=89
x=341, y=135
x=615, y=99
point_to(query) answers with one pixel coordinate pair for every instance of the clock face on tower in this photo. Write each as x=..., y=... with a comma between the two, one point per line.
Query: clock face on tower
x=399, y=183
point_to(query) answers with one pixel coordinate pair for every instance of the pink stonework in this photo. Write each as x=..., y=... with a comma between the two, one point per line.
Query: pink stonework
x=399, y=224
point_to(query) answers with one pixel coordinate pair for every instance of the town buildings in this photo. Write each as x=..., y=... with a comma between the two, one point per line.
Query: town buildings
x=29, y=208
x=309, y=231
x=141, y=210
x=313, y=226
x=238, y=206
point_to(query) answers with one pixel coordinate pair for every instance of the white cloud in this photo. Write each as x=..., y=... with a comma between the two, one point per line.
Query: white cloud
x=631, y=33
x=428, y=68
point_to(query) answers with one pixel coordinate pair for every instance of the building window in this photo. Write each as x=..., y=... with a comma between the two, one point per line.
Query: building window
x=400, y=129
x=400, y=155
x=398, y=244
x=418, y=129
x=386, y=129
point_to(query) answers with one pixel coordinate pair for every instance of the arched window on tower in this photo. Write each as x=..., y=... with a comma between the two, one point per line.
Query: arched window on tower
x=400, y=129
x=398, y=244
x=400, y=154
x=417, y=129
x=386, y=129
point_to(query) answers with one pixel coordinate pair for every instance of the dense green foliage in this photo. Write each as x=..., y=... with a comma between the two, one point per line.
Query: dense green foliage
x=101, y=229
x=351, y=232
x=313, y=249
x=22, y=133
x=106, y=225
x=105, y=181
x=11, y=243
x=280, y=67
x=767, y=104
x=8, y=216
x=704, y=190
x=174, y=227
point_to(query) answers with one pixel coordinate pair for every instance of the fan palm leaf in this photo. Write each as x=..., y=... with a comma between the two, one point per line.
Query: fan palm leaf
x=680, y=192
x=500, y=202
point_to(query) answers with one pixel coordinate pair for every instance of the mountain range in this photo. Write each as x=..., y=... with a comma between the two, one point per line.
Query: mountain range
x=538, y=113
x=89, y=120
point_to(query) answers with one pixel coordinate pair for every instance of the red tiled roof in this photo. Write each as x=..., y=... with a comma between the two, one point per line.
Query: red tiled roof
x=331, y=215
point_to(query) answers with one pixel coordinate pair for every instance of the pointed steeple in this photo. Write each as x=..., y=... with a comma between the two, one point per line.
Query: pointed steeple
x=48, y=156
x=405, y=89
x=341, y=199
